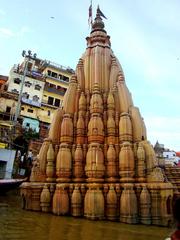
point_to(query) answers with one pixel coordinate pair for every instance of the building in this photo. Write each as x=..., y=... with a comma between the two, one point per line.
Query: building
x=97, y=162
x=57, y=81
x=6, y=163
x=44, y=87
x=32, y=91
x=3, y=80
x=165, y=156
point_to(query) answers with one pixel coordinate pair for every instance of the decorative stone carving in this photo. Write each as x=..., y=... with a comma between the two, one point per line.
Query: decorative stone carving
x=128, y=205
x=111, y=209
x=95, y=129
x=78, y=171
x=67, y=129
x=111, y=164
x=95, y=168
x=45, y=199
x=95, y=135
x=141, y=168
x=50, y=167
x=76, y=202
x=64, y=163
x=126, y=163
x=61, y=200
x=125, y=128
x=94, y=203
x=145, y=207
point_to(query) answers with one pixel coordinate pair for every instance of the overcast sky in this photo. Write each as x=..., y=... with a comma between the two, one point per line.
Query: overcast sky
x=145, y=36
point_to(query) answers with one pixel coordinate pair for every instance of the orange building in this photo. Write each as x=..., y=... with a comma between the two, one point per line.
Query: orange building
x=3, y=80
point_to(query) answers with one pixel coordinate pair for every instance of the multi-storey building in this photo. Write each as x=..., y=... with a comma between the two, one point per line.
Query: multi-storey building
x=57, y=81
x=44, y=86
x=32, y=91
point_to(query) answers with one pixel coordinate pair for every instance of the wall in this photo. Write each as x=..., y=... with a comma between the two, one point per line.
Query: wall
x=30, y=90
x=43, y=114
x=7, y=160
x=33, y=123
x=5, y=102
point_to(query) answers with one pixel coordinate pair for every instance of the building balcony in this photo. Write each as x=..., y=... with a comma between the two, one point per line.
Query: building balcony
x=31, y=74
x=54, y=90
x=45, y=103
x=6, y=117
x=56, y=79
x=9, y=95
x=57, y=66
x=30, y=102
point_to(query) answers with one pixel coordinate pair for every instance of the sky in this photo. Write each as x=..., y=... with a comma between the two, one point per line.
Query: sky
x=145, y=37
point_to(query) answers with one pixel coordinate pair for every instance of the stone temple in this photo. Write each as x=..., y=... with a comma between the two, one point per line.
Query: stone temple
x=97, y=162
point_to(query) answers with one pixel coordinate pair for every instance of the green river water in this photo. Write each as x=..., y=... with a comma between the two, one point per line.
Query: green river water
x=16, y=224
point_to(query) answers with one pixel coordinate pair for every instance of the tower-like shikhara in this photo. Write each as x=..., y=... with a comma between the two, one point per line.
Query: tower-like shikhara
x=97, y=161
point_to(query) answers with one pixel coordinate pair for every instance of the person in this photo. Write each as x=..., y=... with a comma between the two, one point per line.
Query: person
x=30, y=158
x=176, y=213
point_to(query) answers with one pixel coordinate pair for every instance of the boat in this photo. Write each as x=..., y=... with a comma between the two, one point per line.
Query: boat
x=10, y=184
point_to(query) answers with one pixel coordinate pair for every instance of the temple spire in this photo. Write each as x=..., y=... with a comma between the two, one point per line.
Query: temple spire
x=98, y=23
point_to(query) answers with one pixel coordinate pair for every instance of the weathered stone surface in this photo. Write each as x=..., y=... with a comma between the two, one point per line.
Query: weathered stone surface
x=97, y=161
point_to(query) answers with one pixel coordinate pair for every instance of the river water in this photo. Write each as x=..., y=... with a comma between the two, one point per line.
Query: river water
x=18, y=224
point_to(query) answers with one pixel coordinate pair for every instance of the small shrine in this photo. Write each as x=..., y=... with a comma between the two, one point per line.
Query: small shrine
x=97, y=162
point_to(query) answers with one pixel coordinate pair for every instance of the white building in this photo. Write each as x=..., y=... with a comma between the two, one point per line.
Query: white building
x=6, y=163
x=170, y=157
x=32, y=92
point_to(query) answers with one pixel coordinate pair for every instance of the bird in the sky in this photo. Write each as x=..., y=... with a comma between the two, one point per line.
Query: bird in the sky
x=52, y=17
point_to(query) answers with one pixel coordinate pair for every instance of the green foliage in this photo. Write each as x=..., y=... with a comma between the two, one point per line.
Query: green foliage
x=29, y=134
x=22, y=141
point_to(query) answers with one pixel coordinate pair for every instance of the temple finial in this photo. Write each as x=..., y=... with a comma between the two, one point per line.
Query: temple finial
x=98, y=23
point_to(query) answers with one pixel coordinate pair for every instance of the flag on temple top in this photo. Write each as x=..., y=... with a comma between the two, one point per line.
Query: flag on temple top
x=101, y=13
x=90, y=14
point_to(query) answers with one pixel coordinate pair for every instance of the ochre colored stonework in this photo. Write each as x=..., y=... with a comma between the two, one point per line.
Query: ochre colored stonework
x=97, y=161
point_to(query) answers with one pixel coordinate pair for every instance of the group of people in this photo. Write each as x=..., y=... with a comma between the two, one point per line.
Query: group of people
x=24, y=162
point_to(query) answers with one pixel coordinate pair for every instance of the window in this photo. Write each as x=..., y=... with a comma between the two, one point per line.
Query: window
x=37, y=87
x=49, y=73
x=54, y=74
x=30, y=110
x=28, y=84
x=22, y=108
x=25, y=95
x=35, y=98
x=49, y=112
x=17, y=80
x=15, y=91
x=8, y=109
x=27, y=124
x=52, y=85
x=29, y=66
x=66, y=79
x=50, y=100
x=61, y=89
x=57, y=102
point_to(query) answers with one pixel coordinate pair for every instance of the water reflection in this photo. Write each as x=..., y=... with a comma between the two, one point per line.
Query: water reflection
x=16, y=224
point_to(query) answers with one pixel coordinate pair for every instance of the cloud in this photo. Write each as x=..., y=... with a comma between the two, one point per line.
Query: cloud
x=164, y=129
x=9, y=33
x=2, y=12
x=6, y=32
x=23, y=31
